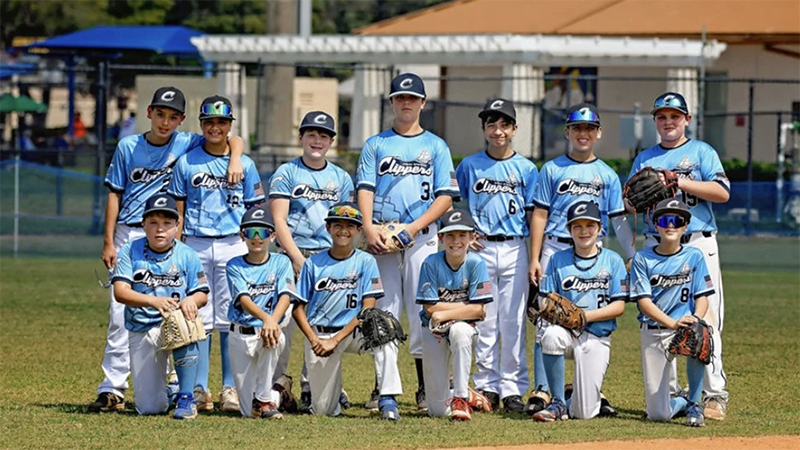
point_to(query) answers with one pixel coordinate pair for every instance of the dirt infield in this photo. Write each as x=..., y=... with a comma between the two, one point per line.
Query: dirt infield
x=726, y=443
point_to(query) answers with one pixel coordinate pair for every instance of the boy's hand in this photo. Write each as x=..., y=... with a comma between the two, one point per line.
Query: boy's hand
x=297, y=264
x=535, y=272
x=164, y=304
x=235, y=171
x=376, y=240
x=684, y=321
x=436, y=319
x=326, y=347
x=189, y=308
x=476, y=245
x=270, y=333
x=109, y=256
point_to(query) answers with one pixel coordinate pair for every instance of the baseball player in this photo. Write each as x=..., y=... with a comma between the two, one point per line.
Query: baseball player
x=212, y=209
x=578, y=176
x=155, y=275
x=301, y=192
x=453, y=286
x=596, y=280
x=141, y=166
x=405, y=174
x=261, y=284
x=333, y=287
x=499, y=184
x=701, y=182
x=671, y=285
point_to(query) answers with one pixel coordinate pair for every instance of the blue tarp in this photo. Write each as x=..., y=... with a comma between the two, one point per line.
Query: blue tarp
x=11, y=69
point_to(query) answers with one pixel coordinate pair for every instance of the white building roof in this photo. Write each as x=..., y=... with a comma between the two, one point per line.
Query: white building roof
x=539, y=50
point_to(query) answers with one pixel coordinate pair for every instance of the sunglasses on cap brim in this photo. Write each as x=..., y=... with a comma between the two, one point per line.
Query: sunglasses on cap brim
x=587, y=116
x=216, y=109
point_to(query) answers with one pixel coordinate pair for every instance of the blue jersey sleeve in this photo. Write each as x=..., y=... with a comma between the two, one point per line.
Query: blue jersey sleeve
x=117, y=175
x=305, y=284
x=253, y=190
x=544, y=189
x=711, y=168
x=462, y=177
x=615, y=205
x=371, y=284
x=618, y=288
x=530, y=188
x=636, y=166
x=123, y=268
x=347, y=192
x=444, y=176
x=196, y=280
x=365, y=174
x=280, y=185
x=640, y=282
x=177, y=185
x=480, y=288
x=427, y=289
x=237, y=285
x=702, y=286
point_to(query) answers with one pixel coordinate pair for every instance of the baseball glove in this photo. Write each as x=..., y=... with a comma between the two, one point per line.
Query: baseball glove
x=649, y=186
x=379, y=327
x=177, y=331
x=397, y=237
x=533, y=303
x=442, y=330
x=559, y=310
x=693, y=341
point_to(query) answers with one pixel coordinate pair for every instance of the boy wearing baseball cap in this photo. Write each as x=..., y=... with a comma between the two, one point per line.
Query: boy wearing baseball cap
x=212, y=208
x=333, y=287
x=142, y=166
x=261, y=286
x=594, y=279
x=671, y=285
x=152, y=276
x=454, y=289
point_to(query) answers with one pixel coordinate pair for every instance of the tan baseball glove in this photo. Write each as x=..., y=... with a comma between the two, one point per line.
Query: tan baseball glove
x=559, y=310
x=177, y=331
x=397, y=238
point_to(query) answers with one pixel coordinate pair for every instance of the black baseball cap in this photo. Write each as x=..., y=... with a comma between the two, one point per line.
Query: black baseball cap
x=672, y=206
x=257, y=217
x=499, y=105
x=169, y=97
x=319, y=120
x=216, y=106
x=345, y=211
x=583, y=113
x=161, y=203
x=670, y=100
x=407, y=83
x=584, y=210
x=457, y=220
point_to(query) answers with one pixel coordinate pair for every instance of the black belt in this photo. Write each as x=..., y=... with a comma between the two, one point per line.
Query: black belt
x=654, y=327
x=134, y=225
x=501, y=238
x=686, y=237
x=560, y=239
x=328, y=329
x=243, y=329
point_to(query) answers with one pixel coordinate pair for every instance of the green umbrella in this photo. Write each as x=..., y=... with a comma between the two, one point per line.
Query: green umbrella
x=23, y=104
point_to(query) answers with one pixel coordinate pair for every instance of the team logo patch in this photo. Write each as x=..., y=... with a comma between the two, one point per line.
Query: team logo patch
x=209, y=181
x=154, y=280
x=331, y=284
x=267, y=288
x=685, y=168
x=143, y=175
x=497, y=104
x=667, y=281
x=313, y=194
x=407, y=83
x=390, y=165
x=453, y=295
x=575, y=187
x=168, y=96
x=578, y=284
x=491, y=186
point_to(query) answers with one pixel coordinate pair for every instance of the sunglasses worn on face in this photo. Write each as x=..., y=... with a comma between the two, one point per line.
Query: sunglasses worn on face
x=583, y=115
x=215, y=109
x=252, y=232
x=666, y=221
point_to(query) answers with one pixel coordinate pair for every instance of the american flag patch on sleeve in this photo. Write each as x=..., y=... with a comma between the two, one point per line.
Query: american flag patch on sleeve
x=376, y=283
x=290, y=285
x=708, y=281
x=201, y=277
x=623, y=285
x=259, y=190
x=484, y=288
x=453, y=181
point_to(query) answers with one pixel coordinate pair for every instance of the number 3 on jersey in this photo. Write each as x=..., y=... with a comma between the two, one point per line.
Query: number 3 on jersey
x=426, y=191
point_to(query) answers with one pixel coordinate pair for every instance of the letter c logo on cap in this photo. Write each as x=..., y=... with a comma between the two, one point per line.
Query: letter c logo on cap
x=497, y=104
x=580, y=209
x=160, y=202
x=405, y=84
x=258, y=214
x=168, y=96
x=321, y=119
x=455, y=217
x=673, y=204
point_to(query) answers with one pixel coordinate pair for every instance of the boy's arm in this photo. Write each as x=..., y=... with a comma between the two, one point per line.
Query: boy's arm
x=181, y=215
x=329, y=345
x=301, y=320
x=624, y=235
x=538, y=222
x=109, y=254
x=279, y=207
x=701, y=306
x=441, y=205
x=461, y=311
x=374, y=238
x=235, y=170
x=127, y=296
x=608, y=312
x=710, y=191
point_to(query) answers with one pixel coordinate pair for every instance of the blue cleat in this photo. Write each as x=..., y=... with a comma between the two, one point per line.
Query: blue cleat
x=186, y=407
x=388, y=408
x=694, y=415
x=556, y=411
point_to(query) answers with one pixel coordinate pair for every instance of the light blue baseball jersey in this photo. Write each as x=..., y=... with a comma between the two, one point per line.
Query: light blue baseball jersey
x=406, y=173
x=591, y=283
x=438, y=282
x=264, y=283
x=139, y=170
x=672, y=282
x=310, y=193
x=214, y=207
x=176, y=273
x=694, y=160
x=333, y=289
x=564, y=181
x=499, y=192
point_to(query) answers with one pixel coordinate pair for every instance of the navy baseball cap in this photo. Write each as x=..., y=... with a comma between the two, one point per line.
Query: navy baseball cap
x=457, y=220
x=672, y=206
x=257, y=217
x=584, y=210
x=499, y=105
x=345, y=211
x=161, y=203
x=583, y=113
x=670, y=100
x=319, y=120
x=216, y=106
x=169, y=97
x=407, y=83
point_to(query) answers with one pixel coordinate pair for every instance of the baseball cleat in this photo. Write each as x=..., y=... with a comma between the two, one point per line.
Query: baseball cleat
x=556, y=411
x=173, y=387
x=305, y=402
x=422, y=402
x=716, y=408
x=388, y=408
x=694, y=415
x=107, y=402
x=344, y=400
x=459, y=409
x=283, y=385
x=538, y=401
x=186, y=407
x=513, y=404
x=494, y=399
x=606, y=410
x=203, y=399
x=265, y=410
x=478, y=402
x=228, y=400
x=374, y=397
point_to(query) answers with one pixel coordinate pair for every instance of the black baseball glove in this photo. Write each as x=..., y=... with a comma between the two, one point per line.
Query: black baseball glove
x=649, y=186
x=379, y=327
x=693, y=341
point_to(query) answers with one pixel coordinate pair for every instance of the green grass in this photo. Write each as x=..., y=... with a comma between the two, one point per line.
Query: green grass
x=54, y=318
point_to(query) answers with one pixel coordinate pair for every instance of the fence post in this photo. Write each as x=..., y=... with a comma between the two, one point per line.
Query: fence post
x=16, y=205
x=779, y=179
x=59, y=191
x=100, y=130
x=750, y=116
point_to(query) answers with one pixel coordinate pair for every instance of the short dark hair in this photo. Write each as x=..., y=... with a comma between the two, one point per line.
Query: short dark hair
x=160, y=213
x=320, y=130
x=496, y=116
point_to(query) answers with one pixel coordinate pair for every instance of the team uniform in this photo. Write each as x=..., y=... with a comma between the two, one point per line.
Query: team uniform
x=175, y=273
x=406, y=174
x=696, y=160
x=439, y=283
x=673, y=283
x=138, y=170
x=333, y=291
x=499, y=193
x=253, y=364
x=591, y=283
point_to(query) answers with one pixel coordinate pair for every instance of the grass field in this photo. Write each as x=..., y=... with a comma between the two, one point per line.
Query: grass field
x=53, y=318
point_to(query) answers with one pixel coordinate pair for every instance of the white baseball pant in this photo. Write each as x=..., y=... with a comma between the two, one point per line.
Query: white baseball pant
x=715, y=381
x=436, y=356
x=504, y=369
x=325, y=373
x=400, y=278
x=149, y=371
x=116, y=361
x=591, y=355
x=253, y=367
x=214, y=254
x=657, y=371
